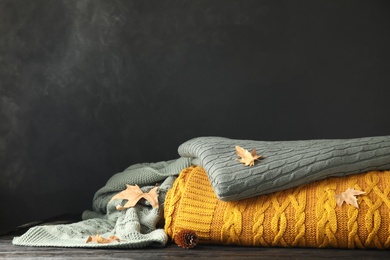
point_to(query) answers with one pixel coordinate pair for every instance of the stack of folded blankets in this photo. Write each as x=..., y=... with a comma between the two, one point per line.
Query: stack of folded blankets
x=288, y=198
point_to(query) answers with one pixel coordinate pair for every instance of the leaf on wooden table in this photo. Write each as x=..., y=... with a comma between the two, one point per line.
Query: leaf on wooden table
x=133, y=194
x=348, y=197
x=101, y=240
x=247, y=158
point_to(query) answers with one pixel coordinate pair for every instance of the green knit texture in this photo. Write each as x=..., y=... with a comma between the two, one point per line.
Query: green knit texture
x=285, y=164
x=136, y=227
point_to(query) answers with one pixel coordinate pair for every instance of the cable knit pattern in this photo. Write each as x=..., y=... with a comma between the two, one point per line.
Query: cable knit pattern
x=304, y=216
x=286, y=164
x=233, y=222
x=325, y=214
x=258, y=221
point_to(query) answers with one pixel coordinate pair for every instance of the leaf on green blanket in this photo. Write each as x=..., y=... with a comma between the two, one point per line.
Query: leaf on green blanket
x=349, y=197
x=133, y=194
x=247, y=158
x=101, y=240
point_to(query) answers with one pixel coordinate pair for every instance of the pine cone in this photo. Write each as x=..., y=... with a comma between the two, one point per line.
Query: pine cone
x=186, y=238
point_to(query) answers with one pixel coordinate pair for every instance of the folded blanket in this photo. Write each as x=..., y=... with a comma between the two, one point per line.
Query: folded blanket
x=286, y=164
x=135, y=227
x=305, y=216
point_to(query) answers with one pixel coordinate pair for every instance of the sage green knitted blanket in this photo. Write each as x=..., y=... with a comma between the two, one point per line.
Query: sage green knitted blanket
x=285, y=164
x=136, y=227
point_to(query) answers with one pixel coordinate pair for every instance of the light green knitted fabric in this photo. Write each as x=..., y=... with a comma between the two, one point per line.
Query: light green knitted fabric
x=286, y=164
x=136, y=227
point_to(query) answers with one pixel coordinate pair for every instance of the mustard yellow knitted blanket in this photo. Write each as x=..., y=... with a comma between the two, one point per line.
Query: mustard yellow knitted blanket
x=304, y=216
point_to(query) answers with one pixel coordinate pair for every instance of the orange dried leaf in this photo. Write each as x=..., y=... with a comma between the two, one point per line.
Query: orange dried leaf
x=133, y=194
x=101, y=240
x=247, y=158
x=349, y=197
x=114, y=238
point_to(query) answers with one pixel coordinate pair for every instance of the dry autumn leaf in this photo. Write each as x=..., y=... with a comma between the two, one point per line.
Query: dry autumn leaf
x=101, y=240
x=133, y=194
x=349, y=197
x=247, y=158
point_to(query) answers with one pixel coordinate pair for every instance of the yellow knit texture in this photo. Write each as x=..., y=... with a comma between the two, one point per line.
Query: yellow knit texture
x=305, y=216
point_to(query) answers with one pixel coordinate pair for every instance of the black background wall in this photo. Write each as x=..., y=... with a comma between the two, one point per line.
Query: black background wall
x=88, y=88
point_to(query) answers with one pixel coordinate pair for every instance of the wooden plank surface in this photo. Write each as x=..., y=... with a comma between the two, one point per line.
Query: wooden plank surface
x=172, y=251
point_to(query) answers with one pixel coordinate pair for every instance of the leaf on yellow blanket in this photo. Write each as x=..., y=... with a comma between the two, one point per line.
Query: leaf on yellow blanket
x=349, y=197
x=247, y=158
x=101, y=240
x=133, y=194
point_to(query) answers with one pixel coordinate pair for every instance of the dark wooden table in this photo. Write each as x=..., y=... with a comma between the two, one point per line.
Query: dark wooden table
x=172, y=251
